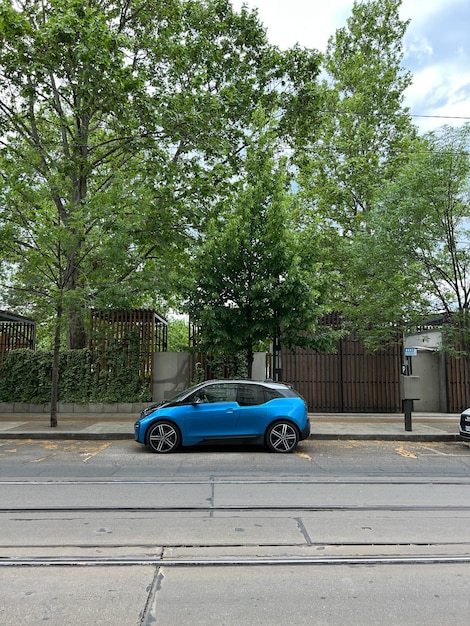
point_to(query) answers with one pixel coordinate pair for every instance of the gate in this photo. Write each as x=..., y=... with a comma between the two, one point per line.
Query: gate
x=351, y=380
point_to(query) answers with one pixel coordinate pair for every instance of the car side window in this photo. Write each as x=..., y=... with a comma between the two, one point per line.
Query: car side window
x=216, y=393
x=250, y=395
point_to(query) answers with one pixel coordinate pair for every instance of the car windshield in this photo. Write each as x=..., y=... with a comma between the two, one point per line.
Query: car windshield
x=182, y=394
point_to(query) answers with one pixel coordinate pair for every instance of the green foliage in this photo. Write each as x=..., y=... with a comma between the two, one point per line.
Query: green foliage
x=413, y=259
x=366, y=131
x=219, y=366
x=364, y=139
x=25, y=376
x=122, y=123
x=178, y=335
x=74, y=377
x=248, y=277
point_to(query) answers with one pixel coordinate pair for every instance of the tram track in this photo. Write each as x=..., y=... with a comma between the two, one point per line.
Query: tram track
x=236, y=508
x=230, y=562
x=228, y=555
x=304, y=520
x=137, y=540
x=366, y=480
x=191, y=554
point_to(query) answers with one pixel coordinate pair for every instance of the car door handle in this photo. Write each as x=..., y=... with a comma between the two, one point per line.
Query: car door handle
x=230, y=411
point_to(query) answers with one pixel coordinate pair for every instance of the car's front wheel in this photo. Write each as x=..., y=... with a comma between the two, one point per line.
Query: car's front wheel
x=163, y=437
x=282, y=437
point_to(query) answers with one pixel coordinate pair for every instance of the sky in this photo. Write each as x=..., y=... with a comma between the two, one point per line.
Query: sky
x=436, y=46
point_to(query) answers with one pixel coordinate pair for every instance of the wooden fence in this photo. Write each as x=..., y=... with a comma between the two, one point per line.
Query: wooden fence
x=147, y=329
x=457, y=384
x=347, y=381
x=16, y=332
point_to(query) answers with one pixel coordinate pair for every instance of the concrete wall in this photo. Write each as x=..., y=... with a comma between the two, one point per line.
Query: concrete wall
x=426, y=366
x=170, y=373
x=258, y=371
x=429, y=365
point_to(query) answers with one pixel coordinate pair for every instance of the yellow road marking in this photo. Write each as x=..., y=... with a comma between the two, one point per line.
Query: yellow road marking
x=402, y=452
x=90, y=455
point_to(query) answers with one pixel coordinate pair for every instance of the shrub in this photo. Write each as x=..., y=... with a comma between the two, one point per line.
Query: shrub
x=84, y=376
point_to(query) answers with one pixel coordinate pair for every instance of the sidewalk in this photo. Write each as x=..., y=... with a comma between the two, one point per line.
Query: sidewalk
x=361, y=426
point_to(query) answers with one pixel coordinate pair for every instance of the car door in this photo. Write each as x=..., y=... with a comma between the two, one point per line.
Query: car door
x=252, y=410
x=212, y=412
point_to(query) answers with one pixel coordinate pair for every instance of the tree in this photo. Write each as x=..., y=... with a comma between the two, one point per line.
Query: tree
x=249, y=280
x=363, y=138
x=178, y=335
x=121, y=120
x=413, y=259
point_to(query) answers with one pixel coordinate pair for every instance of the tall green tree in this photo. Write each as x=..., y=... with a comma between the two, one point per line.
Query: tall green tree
x=366, y=130
x=114, y=118
x=250, y=283
x=364, y=135
x=413, y=259
x=121, y=120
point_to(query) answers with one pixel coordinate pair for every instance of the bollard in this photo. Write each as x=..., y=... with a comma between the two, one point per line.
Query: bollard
x=409, y=392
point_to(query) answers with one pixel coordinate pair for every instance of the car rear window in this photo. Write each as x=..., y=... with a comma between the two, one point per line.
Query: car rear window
x=284, y=392
x=271, y=394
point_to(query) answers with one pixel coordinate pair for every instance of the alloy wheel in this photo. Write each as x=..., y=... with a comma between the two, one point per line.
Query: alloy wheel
x=163, y=437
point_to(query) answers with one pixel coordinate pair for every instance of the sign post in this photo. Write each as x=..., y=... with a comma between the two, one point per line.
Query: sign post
x=410, y=387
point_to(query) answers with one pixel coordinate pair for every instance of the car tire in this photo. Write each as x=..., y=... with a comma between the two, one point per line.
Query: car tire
x=163, y=437
x=282, y=436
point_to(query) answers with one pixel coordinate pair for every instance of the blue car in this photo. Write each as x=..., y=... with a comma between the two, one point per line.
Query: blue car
x=226, y=410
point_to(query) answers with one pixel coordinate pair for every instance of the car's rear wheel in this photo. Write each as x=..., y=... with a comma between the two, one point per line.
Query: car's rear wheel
x=282, y=437
x=163, y=437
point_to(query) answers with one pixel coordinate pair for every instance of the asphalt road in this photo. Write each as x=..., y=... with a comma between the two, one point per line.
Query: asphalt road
x=338, y=533
x=312, y=458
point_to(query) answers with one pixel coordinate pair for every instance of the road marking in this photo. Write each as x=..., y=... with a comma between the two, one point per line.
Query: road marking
x=439, y=453
x=90, y=455
x=406, y=453
x=44, y=458
x=303, y=455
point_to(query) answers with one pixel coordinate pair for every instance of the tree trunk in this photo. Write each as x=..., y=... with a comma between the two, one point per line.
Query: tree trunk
x=55, y=367
x=76, y=334
x=249, y=359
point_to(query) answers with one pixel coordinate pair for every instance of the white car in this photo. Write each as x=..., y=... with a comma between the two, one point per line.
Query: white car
x=465, y=425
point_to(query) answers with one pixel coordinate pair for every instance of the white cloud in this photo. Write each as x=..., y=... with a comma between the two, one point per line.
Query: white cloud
x=299, y=21
x=312, y=23
x=440, y=90
x=419, y=47
x=416, y=9
x=437, y=49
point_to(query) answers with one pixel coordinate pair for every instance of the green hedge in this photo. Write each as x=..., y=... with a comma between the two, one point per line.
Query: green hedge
x=84, y=376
